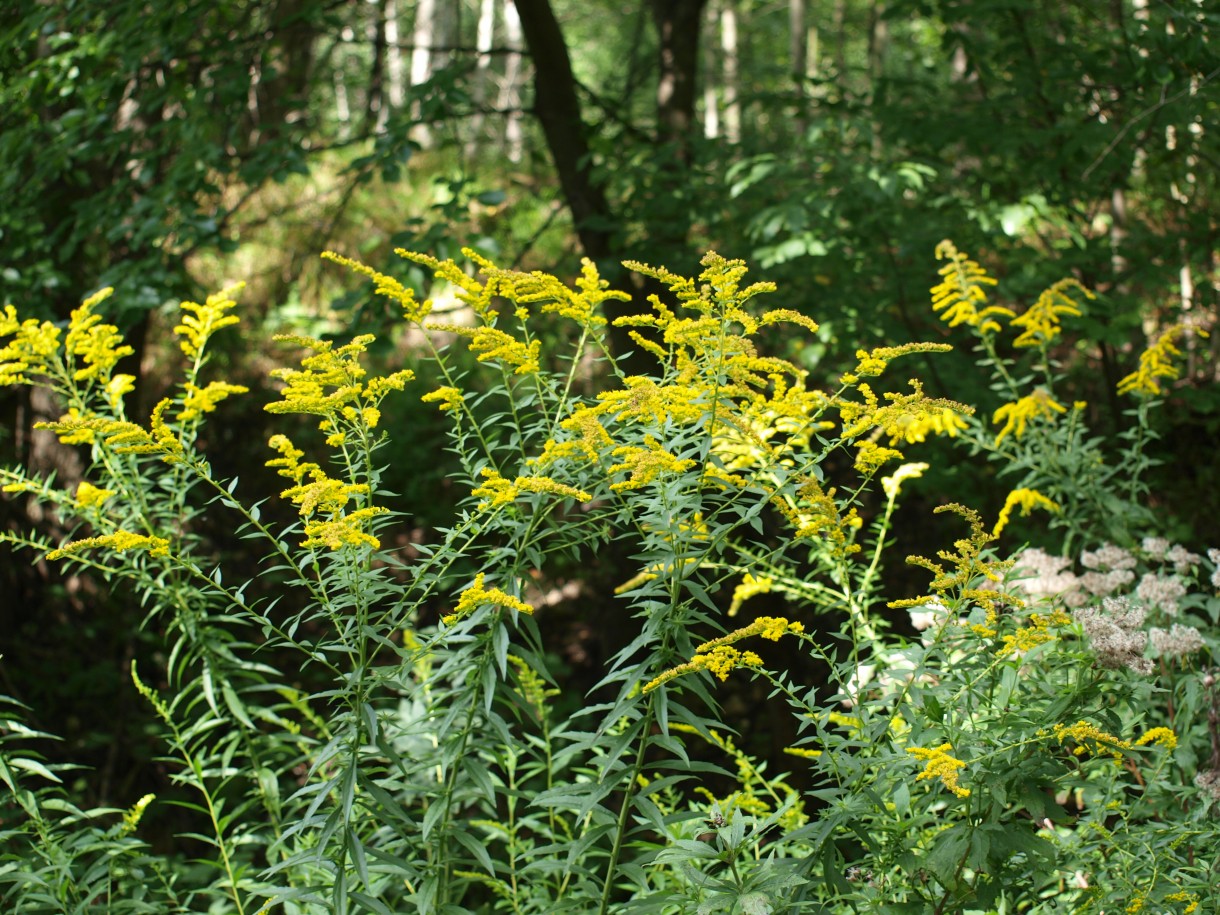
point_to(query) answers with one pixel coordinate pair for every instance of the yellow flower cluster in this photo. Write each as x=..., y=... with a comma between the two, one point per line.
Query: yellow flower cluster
x=1040, y=324
x=330, y=384
x=939, y=763
x=316, y=493
x=720, y=658
x=967, y=565
x=1015, y=416
x=488, y=343
x=122, y=436
x=916, y=426
x=893, y=483
x=119, y=541
x=961, y=292
x=200, y=322
x=644, y=464
x=91, y=349
x=132, y=817
x=1156, y=365
x=387, y=286
x=477, y=596
x=1027, y=500
x=749, y=587
x=1162, y=737
x=90, y=496
x=1088, y=739
x=197, y=401
x=449, y=398
x=499, y=491
x=1037, y=633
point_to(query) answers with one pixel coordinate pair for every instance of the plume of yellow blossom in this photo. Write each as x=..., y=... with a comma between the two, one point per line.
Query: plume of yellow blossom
x=940, y=763
x=413, y=310
x=119, y=541
x=720, y=660
x=1088, y=739
x=1156, y=365
x=645, y=464
x=961, y=292
x=749, y=587
x=1040, y=324
x=197, y=401
x=1015, y=416
x=1027, y=500
x=98, y=347
x=488, y=344
x=90, y=496
x=893, y=483
x=477, y=596
x=200, y=322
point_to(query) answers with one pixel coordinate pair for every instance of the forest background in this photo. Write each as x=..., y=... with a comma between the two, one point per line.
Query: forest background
x=169, y=149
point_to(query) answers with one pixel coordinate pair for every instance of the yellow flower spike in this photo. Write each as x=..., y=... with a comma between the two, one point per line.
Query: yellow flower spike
x=343, y=530
x=387, y=286
x=99, y=346
x=1040, y=324
x=1156, y=365
x=33, y=349
x=477, y=596
x=198, y=401
x=645, y=464
x=90, y=496
x=939, y=763
x=497, y=490
x=1015, y=416
x=893, y=483
x=749, y=587
x=1162, y=737
x=200, y=322
x=1027, y=500
x=132, y=817
x=447, y=398
x=1089, y=739
x=872, y=456
x=324, y=495
x=119, y=541
x=787, y=315
x=488, y=343
x=635, y=581
x=961, y=292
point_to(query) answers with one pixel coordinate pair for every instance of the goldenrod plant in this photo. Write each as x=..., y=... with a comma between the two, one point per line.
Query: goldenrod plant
x=382, y=735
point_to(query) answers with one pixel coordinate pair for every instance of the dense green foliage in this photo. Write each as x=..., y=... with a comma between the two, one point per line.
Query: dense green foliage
x=165, y=149
x=376, y=733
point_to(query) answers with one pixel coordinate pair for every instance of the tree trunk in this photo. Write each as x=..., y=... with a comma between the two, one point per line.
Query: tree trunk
x=728, y=61
x=677, y=23
x=421, y=61
x=510, y=89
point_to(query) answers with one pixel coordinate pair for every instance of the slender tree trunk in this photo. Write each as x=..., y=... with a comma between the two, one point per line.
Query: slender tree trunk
x=729, y=62
x=711, y=76
x=396, y=76
x=798, y=56
x=421, y=62
x=677, y=23
x=510, y=89
x=485, y=34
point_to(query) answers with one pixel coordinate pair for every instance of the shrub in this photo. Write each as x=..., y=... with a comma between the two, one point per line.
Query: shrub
x=382, y=735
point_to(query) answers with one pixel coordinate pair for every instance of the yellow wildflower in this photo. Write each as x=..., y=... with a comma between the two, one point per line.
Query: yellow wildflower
x=940, y=764
x=1164, y=737
x=198, y=401
x=119, y=541
x=132, y=817
x=90, y=496
x=1037, y=633
x=32, y=351
x=343, y=529
x=1027, y=500
x=200, y=322
x=1155, y=364
x=749, y=587
x=488, y=343
x=477, y=596
x=893, y=483
x=720, y=660
x=917, y=426
x=117, y=388
x=961, y=292
x=323, y=495
x=1040, y=323
x=448, y=398
x=1038, y=405
x=1089, y=739
x=98, y=346
x=769, y=627
x=787, y=315
x=387, y=286
x=645, y=464
x=871, y=456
